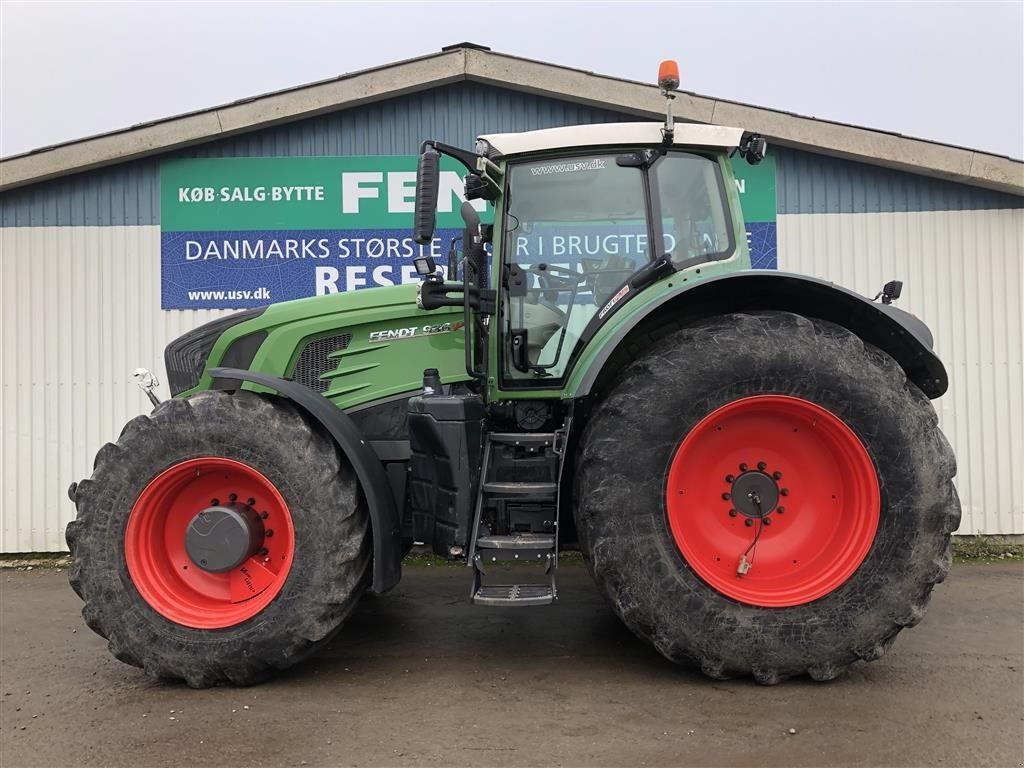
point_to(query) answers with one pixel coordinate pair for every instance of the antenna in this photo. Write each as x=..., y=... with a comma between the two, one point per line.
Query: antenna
x=668, y=81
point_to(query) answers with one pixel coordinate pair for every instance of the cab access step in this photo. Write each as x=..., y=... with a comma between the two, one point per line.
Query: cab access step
x=527, y=509
x=489, y=496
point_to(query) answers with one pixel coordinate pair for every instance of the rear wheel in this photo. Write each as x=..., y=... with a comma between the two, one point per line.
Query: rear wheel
x=220, y=539
x=766, y=495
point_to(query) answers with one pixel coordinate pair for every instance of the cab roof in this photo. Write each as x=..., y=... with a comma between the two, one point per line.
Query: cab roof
x=605, y=134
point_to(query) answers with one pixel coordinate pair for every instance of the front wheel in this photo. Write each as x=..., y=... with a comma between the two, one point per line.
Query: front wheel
x=220, y=539
x=766, y=495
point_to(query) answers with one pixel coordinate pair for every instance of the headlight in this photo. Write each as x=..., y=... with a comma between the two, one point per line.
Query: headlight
x=186, y=356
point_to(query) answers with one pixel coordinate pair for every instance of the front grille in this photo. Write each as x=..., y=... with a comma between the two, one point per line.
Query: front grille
x=185, y=358
x=314, y=362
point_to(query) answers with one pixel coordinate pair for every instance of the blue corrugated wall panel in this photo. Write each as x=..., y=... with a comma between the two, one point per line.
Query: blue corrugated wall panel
x=129, y=193
x=810, y=183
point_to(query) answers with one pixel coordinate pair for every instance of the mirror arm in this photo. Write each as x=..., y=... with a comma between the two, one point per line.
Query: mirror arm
x=465, y=157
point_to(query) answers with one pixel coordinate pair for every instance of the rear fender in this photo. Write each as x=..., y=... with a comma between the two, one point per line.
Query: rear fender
x=903, y=336
x=385, y=521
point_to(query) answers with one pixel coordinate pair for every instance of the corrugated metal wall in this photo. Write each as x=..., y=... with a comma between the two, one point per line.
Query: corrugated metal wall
x=809, y=183
x=80, y=311
x=80, y=282
x=456, y=114
x=960, y=252
x=963, y=275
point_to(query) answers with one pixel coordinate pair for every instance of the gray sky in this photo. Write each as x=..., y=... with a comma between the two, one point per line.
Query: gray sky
x=951, y=72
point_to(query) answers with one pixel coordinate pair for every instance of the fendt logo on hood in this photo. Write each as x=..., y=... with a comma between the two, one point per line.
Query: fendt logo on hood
x=414, y=331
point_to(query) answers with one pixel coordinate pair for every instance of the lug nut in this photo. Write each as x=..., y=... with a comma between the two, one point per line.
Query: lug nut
x=729, y=478
x=743, y=467
x=264, y=551
x=733, y=513
x=767, y=521
x=784, y=492
x=777, y=475
x=748, y=522
x=781, y=510
x=264, y=515
x=269, y=533
x=251, y=502
x=726, y=496
x=233, y=497
x=761, y=465
x=215, y=502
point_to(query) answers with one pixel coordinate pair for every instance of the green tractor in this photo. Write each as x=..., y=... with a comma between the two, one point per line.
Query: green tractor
x=748, y=460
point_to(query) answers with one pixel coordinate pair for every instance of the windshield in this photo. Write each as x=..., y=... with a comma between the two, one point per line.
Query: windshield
x=566, y=210
x=577, y=229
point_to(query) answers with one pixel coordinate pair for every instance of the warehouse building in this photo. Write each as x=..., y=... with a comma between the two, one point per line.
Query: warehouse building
x=106, y=254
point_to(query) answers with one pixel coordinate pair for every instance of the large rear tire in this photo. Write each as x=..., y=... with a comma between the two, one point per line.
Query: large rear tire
x=235, y=457
x=782, y=447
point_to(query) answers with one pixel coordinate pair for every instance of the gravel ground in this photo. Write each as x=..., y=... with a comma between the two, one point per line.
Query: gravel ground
x=420, y=677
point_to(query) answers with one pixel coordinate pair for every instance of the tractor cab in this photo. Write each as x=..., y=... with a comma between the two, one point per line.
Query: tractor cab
x=586, y=217
x=577, y=225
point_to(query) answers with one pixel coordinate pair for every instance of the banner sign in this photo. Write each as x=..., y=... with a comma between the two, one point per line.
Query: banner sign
x=245, y=232
x=756, y=185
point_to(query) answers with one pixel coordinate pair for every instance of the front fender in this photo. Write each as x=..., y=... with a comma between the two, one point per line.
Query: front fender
x=903, y=336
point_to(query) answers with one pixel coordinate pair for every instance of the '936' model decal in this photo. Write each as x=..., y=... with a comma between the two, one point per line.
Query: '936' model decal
x=415, y=331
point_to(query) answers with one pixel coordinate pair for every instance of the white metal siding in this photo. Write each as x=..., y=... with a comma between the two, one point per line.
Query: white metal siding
x=963, y=274
x=80, y=310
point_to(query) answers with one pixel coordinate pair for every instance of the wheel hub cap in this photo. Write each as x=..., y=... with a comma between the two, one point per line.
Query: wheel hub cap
x=220, y=538
x=754, y=494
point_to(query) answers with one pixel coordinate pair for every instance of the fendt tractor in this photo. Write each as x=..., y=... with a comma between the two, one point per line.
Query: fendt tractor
x=747, y=459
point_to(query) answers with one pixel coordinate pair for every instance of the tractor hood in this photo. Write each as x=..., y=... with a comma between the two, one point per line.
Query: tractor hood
x=345, y=301
x=350, y=347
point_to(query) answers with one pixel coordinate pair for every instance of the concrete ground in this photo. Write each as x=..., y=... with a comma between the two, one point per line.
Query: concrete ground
x=421, y=678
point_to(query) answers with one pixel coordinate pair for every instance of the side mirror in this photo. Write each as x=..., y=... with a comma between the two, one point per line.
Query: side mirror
x=428, y=182
x=891, y=291
x=470, y=218
x=472, y=247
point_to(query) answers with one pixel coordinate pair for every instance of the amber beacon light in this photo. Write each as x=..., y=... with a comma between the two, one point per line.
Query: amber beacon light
x=668, y=81
x=668, y=75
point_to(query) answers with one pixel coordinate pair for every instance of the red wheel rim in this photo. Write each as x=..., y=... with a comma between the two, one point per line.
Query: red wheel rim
x=160, y=567
x=826, y=486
